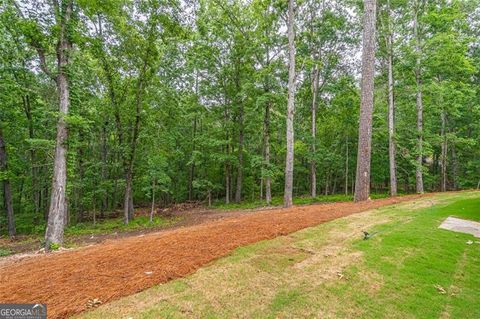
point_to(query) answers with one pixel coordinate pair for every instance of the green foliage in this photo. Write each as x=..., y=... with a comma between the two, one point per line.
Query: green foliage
x=54, y=246
x=162, y=90
x=4, y=252
x=117, y=225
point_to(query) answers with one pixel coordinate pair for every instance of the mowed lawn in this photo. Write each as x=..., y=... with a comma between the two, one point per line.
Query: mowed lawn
x=408, y=269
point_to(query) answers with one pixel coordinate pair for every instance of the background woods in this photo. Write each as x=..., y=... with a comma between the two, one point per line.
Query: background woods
x=113, y=105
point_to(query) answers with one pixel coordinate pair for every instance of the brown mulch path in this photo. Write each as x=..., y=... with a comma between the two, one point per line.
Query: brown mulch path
x=27, y=245
x=108, y=271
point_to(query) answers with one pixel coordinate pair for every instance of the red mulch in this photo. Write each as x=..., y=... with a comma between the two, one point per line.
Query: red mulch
x=108, y=271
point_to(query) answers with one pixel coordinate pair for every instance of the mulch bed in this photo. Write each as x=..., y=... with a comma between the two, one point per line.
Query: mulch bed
x=67, y=281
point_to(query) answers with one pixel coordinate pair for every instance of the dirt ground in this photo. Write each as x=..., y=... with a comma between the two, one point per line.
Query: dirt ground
x=68, y=281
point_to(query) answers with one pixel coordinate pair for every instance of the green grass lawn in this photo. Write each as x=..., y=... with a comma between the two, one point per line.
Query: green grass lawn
x=409, y=269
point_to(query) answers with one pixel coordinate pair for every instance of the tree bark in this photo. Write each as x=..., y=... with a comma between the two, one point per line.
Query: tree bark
x=313, y=163
x=238, y=189
x=362, y=184
x=419, y=104
x=391, y=110
x=288, y=192
x=153, y=201
x=7, y=192
x=444, y=152
x=346, y=165
x=454, y=167
x=58, y=204
x=241, y=137
x=227, y=176
x=227, y=151
x=268, y=107
x=191, y=174
x=128, y=198
x=31, y=135
x=268, y=179
x=103, y=152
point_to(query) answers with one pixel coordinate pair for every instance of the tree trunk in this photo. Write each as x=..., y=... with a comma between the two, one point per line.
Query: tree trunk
x=391, y=113
x=127, y=199
x=153, y=202
x=313, y=163
x=419, y=104
x=346, y=166
x=268, y=179
x=31, y=135
x=80, y=209
x=288, y=192
x=58, y=204
x=261, y=188
x=227, y=185
x=238, y=190
x=58, y=209
x=444, y=152
x=454, y=167
x=94, y=213
x=191, y=174
x=227, y=180
x=227, y=151
x=103, y=152
x=362, y=184
x=7, y=193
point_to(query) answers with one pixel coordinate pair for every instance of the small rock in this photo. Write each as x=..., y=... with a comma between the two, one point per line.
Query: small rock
x=469, y=242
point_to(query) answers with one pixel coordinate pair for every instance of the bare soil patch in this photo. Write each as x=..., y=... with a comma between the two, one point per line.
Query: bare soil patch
x=67, y=281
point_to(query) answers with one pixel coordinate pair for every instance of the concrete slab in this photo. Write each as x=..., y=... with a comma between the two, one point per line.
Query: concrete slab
x=461, y=226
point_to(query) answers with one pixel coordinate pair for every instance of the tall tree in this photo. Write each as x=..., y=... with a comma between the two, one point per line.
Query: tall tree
x=391, y=101
x=57, y=212
x=7, y=192
x=419, y=98
x=62, y=13
x=288, y=192
x=313, y=163
x=362, y=183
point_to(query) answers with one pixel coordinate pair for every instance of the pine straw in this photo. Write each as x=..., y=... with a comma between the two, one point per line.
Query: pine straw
x=67, y=281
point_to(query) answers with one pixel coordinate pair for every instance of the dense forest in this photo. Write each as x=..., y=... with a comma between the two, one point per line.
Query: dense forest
x=110, y=105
